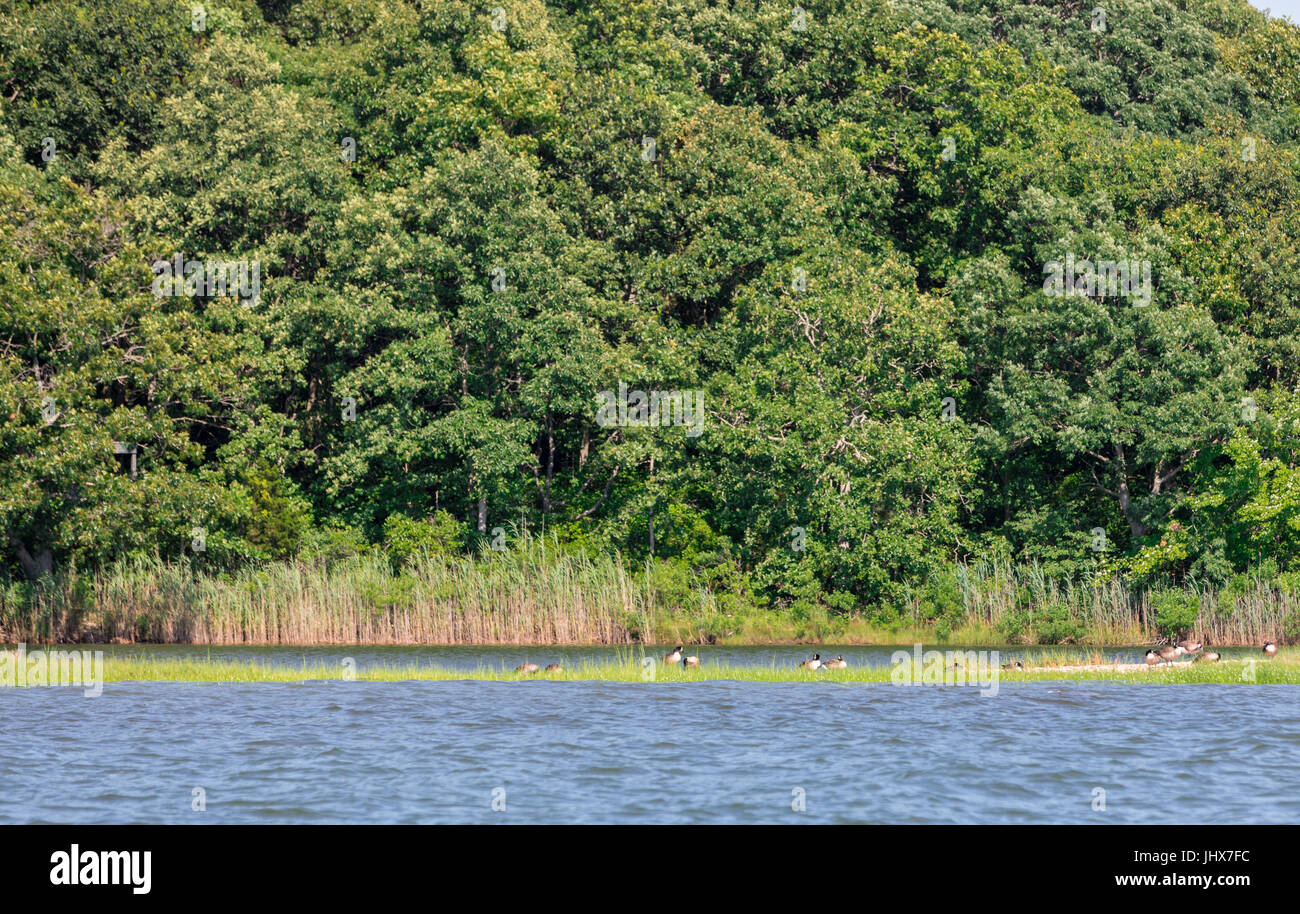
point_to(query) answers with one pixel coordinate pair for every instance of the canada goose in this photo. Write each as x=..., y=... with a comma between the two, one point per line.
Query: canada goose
x=814, y=664
x=1170, y=653
x=1207, y=657
x=1270, y=648
x=839, y=663
x=1152, y=658
x=527, y=668
x=674, y=657
x=1013, y=665
x=554, y=668
x=690, y=661
x=1190, y=646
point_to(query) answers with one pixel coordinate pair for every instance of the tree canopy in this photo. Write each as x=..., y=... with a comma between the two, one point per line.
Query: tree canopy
x=947, y=279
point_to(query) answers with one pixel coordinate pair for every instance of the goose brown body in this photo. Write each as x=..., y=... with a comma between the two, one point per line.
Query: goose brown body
x=1170, y=653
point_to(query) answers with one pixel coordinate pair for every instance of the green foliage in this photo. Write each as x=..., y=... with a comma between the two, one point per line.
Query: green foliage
x=85, y=73
x=406, y=538
x=834, y=228
x=1175, y=612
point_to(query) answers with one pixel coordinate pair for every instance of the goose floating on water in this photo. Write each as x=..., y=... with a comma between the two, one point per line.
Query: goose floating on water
x=691, y=660
x=554, y=668
x=814, y=664
x=527, y=668
x=839, y=663
x=675, y=657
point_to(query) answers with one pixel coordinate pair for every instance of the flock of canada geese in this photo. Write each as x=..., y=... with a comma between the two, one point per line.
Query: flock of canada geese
x=1167, y=654
x=690, y=660
x=1171, y=652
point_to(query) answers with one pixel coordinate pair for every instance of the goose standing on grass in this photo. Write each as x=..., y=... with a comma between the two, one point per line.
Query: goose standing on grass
x=1270, y=648
x=527, y=668
x=554, y=668
x=1189, y=646
x=1171, y=652
x=1152, y=658
x=1207, y=657
x=690, y=661
x=839, y=663
x=814, y=664
x=675, y=657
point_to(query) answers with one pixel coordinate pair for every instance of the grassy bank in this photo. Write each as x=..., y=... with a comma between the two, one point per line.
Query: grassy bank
x=1285, y=668
x=540, y=593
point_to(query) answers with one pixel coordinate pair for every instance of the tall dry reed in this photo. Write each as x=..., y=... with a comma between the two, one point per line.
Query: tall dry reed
x=542, y=593
x=534, y=593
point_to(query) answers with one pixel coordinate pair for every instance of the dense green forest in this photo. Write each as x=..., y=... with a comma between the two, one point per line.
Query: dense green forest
x=911, y=285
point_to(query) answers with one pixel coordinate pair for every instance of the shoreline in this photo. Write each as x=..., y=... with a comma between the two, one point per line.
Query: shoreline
x=1273, y=671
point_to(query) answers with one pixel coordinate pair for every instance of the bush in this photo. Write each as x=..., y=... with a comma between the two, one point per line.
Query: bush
x=1175, y=612
x=1013, y=626
x=1055, y=624
x=406, y=538
x=333, y=544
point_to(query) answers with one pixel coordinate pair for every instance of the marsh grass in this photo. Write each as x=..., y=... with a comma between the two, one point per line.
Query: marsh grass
x=536, y=593
x=541, y=592
x=1022, y=603
x=629, y=667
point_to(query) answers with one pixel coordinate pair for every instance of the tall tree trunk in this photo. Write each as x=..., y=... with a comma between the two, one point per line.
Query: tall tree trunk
x=34, y=567
x=550, y=463
x=1135, y=525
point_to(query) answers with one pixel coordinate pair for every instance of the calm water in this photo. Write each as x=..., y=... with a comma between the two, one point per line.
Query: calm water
x=654, y=753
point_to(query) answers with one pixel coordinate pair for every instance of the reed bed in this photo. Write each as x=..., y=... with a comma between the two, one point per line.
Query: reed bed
x=540, y=592
x=997, y=595
x=530, y=595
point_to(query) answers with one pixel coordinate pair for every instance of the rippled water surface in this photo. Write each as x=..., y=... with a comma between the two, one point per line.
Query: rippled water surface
x=649, y=752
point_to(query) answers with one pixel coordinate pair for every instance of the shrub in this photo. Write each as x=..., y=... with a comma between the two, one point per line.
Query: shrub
x=1175, y=612
x=1055, y=624
x=405, y=537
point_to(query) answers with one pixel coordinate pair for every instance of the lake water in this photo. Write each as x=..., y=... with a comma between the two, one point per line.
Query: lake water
x=590, y=752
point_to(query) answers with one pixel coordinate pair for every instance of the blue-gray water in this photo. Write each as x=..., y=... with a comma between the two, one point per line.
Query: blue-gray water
x=720, y=751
